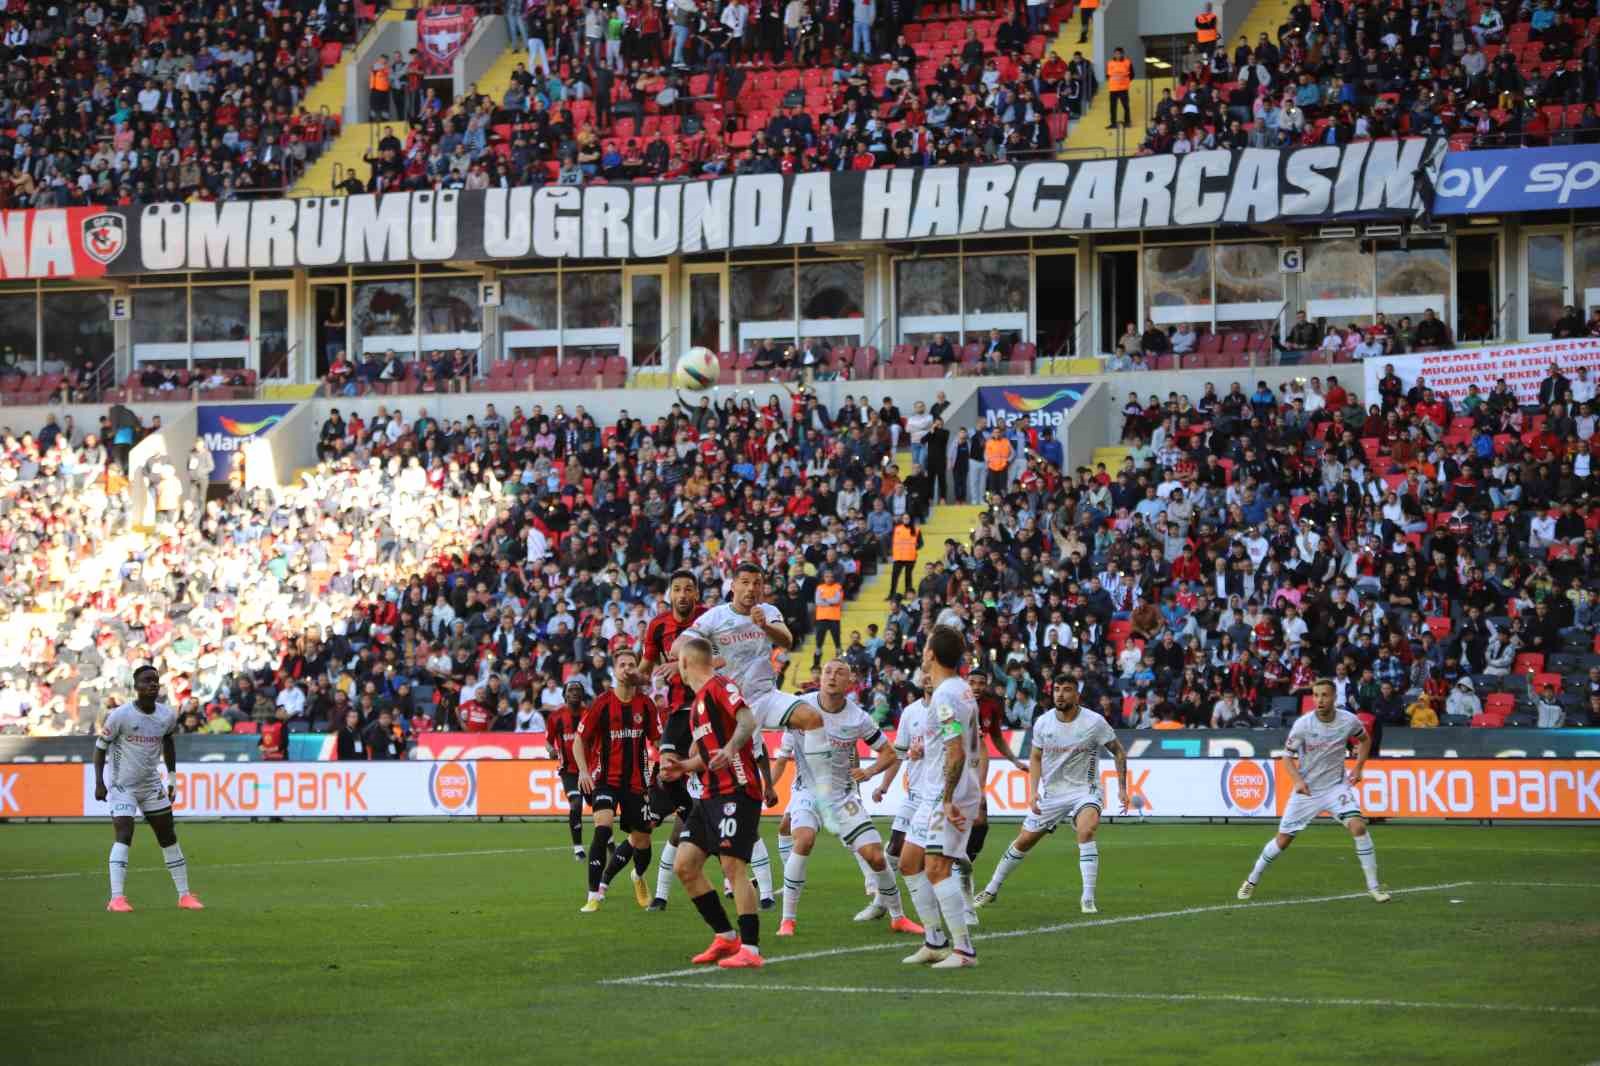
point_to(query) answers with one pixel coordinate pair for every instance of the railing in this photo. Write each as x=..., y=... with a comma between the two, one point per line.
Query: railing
x=1092, y=152
x=104, y=376
x=271, y=371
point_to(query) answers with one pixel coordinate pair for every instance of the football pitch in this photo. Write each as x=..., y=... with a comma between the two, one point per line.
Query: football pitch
x=462, y=943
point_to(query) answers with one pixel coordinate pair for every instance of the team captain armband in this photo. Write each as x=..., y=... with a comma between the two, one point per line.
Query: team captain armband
x=949, y=726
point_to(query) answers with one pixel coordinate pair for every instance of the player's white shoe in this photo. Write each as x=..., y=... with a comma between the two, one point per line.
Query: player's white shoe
x=871, y=912
x=1247, y=890
x=955, y=960
x=984, y=898
x=1087, y=905
x=1379, y=894
x=971, y=917
x=926, y=955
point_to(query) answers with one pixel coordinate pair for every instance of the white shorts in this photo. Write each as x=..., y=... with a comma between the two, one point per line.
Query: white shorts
x=933, y=832
x=1053, y=810
x=1339, y=801
x=847, y=818
x=772, y=709
x=908, y=811
x=131, y=802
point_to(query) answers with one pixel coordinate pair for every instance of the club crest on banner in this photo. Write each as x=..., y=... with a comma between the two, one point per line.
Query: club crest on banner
x=104, y=236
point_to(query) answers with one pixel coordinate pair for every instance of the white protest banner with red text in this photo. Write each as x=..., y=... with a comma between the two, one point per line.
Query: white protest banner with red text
x=1522, y=365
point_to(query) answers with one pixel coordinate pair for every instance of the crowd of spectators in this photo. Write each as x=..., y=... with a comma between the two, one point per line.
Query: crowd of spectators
x=655, y=107
x=1512, y=72
x=1175, y=347
x=1413, y=549
x=127, y=102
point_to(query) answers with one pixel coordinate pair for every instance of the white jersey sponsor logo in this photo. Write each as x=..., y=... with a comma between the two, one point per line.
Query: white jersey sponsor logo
x=1069, y=752
x=1321, y=747
x=131, y=740
x=743, y=646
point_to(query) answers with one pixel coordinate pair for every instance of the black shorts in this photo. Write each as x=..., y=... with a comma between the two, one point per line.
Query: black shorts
x=725, y=825
x=669, y=798
x=630, y=807
x=569, y=785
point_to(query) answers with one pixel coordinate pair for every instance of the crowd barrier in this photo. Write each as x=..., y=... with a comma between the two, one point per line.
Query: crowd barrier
x=1511, y=789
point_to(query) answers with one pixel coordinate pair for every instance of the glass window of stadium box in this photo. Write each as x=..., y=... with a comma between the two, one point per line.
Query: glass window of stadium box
x=161, y=327
x=591, y=313
x=219, y=325
x=927, y=299
x=1347, y=282
x=451, y=317
x=705, y=307
x=1586, y=261
x=384, y=314
x=1559, y=267
x=994, y=295
x=19, y=332
x=646, y=315
x=831, y=303
x=761, y=299
x=77, y=327
x=1177, y=286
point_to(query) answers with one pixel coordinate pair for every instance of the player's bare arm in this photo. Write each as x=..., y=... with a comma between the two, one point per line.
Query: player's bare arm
x=997, y=734
x=776, y=632
x=888, y=779
x=99, y=774
x=887, y=760
x=1035, y=774
x=169, y=755
x=954, y=760
x=1363, y=749
x=1120, y=754
x=1291, y=766
x=743, y=730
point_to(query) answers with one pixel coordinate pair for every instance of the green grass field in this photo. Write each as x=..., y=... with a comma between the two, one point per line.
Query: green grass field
x=461, y=943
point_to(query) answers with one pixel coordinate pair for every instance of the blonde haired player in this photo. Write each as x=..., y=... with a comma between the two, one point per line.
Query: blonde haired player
x=1064, y=786
x=134, y=740
x=827, y=795
x=1314, y=762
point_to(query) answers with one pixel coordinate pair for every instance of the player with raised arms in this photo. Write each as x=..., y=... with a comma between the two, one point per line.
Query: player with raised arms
x=827, y=795
x=726, y=819
x=612, y=755
x=670, y=799
x=943, y=823
x=135, y=739
x=1064, y=786
x=1314, y=763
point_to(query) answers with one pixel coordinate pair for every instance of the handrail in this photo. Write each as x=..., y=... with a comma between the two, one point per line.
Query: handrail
x=881, y=323
x=288, y=363
x=1073, y=347
x=1092, y=151
x=1499, y=317
x=1274, y=333
x=104, y=376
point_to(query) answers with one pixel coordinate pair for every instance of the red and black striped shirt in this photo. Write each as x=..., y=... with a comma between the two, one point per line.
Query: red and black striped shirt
x=659, y=637
x=712, y=719
x=616, y=737
x=560, y=730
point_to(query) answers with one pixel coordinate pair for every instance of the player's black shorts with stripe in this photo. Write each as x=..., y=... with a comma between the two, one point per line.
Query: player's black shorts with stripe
x=569, y=785
x=669, y=798
x=725, y=825
x=630, y=807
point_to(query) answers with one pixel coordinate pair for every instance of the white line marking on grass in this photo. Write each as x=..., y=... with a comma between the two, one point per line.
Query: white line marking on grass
x=296, y=862
x=1157, y=997
x=1545, y=884
x=1043, y=930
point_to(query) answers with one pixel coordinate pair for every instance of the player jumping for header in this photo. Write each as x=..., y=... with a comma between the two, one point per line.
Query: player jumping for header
x=136, y=737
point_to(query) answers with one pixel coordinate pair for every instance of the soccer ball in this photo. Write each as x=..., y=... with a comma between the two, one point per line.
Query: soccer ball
x=697, y=369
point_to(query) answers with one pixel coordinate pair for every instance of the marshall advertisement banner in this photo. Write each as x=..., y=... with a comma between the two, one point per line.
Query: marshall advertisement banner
x=227, y=427
x=1511, y=789
x=1373, y=179
x=1037, y=405
x=1523, y=366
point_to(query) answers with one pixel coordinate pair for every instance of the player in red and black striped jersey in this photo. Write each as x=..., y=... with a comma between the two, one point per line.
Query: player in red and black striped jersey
x=560, y=731
x=612, y=753
x=991, y=724
x=670, y=799
x=726, y=820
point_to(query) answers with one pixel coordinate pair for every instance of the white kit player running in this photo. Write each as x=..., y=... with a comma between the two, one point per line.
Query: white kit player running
x=827, y=795
x=743, y=633
x=940, y=829
x=1314, y=762
x=1064, y=786
x=135, y=739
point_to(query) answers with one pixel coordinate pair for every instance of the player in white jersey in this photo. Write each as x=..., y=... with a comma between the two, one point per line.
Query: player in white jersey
x=1314, y=763
x=1064, y=786
x=911, y=724
x=135, y=739
x=949, y=742
x=827, y=794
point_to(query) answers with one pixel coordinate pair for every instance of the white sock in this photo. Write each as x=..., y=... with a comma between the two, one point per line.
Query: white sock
x=1268, y=853
x=889, y=891
x=761, y=867
x=794, y=883
x=119, y=868
x=953, y=906
x=1089, y=867
x=785, y=846
x=664, y=876
x=1367, y=856
x=178, y=867
x=927, y=904
x=1008, y=863
x=868, y=874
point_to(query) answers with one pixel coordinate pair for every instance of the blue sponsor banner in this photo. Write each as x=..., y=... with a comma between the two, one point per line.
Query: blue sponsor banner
x=225, y=427
x=1038, y=405
x=1518, y=179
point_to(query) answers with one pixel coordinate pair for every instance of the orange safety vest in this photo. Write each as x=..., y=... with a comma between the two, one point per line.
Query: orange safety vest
x=1088, y=5
x=830, y=612
x=905, y=544
x=1205, y=27
x=1119, y=74
x=379, y=79
x=997, y=453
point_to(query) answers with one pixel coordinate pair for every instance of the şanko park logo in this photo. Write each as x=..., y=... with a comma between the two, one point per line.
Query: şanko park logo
x=453, y=787
x=1247, y=785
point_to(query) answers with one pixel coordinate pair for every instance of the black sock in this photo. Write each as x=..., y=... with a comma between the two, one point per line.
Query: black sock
x=709, y=905
x=619, y=858
x=597, y=855
x=575, y=822
x=641, y=860
x=897, y=840
x=975, y=841
x=750, y=929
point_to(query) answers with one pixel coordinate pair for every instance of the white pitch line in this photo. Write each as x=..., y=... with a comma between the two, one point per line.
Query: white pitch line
x=203, y=866
x=1546, y=884
x=1159, y=997
x=1059, y=927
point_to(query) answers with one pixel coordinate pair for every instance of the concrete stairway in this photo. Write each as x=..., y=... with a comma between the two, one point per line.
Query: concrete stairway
x=354, y=138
